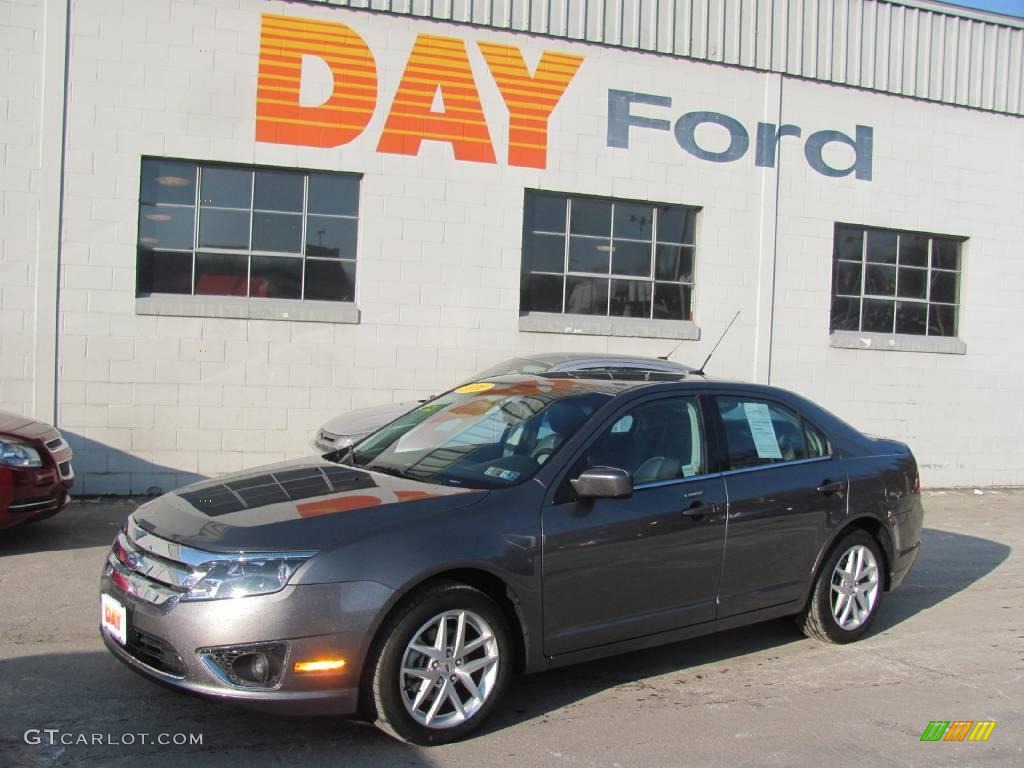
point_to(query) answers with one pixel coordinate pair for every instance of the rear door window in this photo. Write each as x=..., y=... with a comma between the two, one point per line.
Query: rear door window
x=761, y=432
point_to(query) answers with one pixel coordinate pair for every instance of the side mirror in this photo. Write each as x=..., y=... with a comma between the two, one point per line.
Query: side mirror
x=604, y=483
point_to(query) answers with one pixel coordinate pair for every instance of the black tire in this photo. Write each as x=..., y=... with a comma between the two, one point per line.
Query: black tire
x=387, y=705
x=818, y=620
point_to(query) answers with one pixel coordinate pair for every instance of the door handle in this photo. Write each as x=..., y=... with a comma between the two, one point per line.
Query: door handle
x=698, y=509
x=829, y=487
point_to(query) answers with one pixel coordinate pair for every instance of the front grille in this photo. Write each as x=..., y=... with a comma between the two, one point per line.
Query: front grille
x=142, y=565
x=57, y=444
x=65, y=470
x=155, y=653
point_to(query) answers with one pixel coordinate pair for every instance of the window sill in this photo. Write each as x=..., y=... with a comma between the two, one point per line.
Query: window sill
x=593, y=325
x=239, y=307
x=898, y=342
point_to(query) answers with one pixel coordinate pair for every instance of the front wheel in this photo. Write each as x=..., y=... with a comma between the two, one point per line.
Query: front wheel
x=847, y=592
x=443, y=665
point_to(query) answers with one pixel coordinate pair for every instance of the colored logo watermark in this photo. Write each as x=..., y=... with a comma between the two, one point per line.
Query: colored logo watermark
x=958, y=730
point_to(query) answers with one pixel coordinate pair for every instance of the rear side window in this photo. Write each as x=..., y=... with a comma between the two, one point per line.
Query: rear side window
x=817, y=443
x=760, y=432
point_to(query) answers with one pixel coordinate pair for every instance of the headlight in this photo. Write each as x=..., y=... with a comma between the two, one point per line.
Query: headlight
x=243, y=578
x=14, y=454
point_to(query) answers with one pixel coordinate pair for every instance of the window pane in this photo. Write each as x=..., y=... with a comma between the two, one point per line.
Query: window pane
x=911, y=317
x=817, y=443
x=673, y=262
x=330, y=237
x=944, y=287
x=880, y=281
x=333, y=193
x=276, y=277
x=849, y=243
x=544, y=253
x=277, y=232
x=544, y=213
x=634, y=221
x=672, y=301
x=913, y=283
x=630, y=298
x=588, y=254
x=168, y=181
x=223, y=229
x=941, y=320
x=881, y=246
x=330, y=280
x=586, y=296
x=541, y=293
x=591, y=217
x=848, y=278
x=629, y=258
x=278, y=191
x=914, y=250
x=878, y=316
x=164, y=272
x=758, y=432
x=676, y=224
x=166, y=226
x=945, y=253
x=226, y=187
x=221, y=274
x=654, y=442
x=845, y=314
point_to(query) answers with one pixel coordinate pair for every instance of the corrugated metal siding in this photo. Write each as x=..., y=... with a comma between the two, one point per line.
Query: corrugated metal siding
x=913, y=48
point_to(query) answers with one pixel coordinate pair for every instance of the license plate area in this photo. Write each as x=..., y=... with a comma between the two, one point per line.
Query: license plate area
x=114, y=618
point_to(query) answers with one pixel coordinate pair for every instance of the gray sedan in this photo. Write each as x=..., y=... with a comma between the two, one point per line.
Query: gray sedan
x=350, y=427
x=513, y=524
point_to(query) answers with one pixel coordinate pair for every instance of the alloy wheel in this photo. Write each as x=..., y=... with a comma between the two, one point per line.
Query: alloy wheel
x=449, y=669
x=855, y=586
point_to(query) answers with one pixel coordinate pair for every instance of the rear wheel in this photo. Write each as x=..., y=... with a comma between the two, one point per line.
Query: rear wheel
x=443, y=665
x=847, y=592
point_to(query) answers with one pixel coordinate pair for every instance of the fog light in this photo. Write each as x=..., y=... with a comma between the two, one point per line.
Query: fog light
x=321, y=665
x=253, y=668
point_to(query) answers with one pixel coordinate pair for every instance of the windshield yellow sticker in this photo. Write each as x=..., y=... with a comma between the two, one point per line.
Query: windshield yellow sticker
x=480, y=386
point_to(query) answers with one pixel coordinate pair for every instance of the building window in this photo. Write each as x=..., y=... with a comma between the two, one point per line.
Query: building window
x=227, y=230
x=612, y=258
x=887, y=281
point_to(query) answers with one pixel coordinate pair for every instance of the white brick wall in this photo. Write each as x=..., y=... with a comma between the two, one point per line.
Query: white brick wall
x=158, y=401
x=21, y=39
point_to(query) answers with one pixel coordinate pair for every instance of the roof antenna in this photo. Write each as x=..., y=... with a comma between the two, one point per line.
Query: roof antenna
x=677, y=346
x=700, y=371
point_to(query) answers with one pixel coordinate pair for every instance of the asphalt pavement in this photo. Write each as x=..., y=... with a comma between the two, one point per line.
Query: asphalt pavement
x=948, y=645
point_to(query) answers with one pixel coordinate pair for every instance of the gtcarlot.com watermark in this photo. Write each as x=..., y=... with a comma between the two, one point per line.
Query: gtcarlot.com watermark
x=57, y=737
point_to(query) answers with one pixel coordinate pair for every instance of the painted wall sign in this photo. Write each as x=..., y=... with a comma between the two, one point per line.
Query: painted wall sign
x=437, y=66
x=768, y=135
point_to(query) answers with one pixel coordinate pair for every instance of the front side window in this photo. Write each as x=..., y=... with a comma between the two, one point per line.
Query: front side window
x=223, y=230
x=760, y=432
x=887, y=281
x=611, y=258
x=656, y=441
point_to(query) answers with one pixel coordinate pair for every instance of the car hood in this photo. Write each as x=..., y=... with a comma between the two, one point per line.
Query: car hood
x=22, y=426
x=363, y=420
x=307, y=504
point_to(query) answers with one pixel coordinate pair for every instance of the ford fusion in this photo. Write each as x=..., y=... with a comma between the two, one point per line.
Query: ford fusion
x=514, y=524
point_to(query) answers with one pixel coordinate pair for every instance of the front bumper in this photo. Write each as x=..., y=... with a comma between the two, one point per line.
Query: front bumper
x=312, y=621
x=33, y=493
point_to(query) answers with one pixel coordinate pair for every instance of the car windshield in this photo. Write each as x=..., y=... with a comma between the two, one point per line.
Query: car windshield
x=491, y=434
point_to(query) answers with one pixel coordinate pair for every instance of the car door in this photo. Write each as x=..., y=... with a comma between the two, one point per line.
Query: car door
x=783, y=485
x=615, y=569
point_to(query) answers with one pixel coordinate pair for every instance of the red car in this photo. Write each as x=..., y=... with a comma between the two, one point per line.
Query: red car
x=35, y=470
